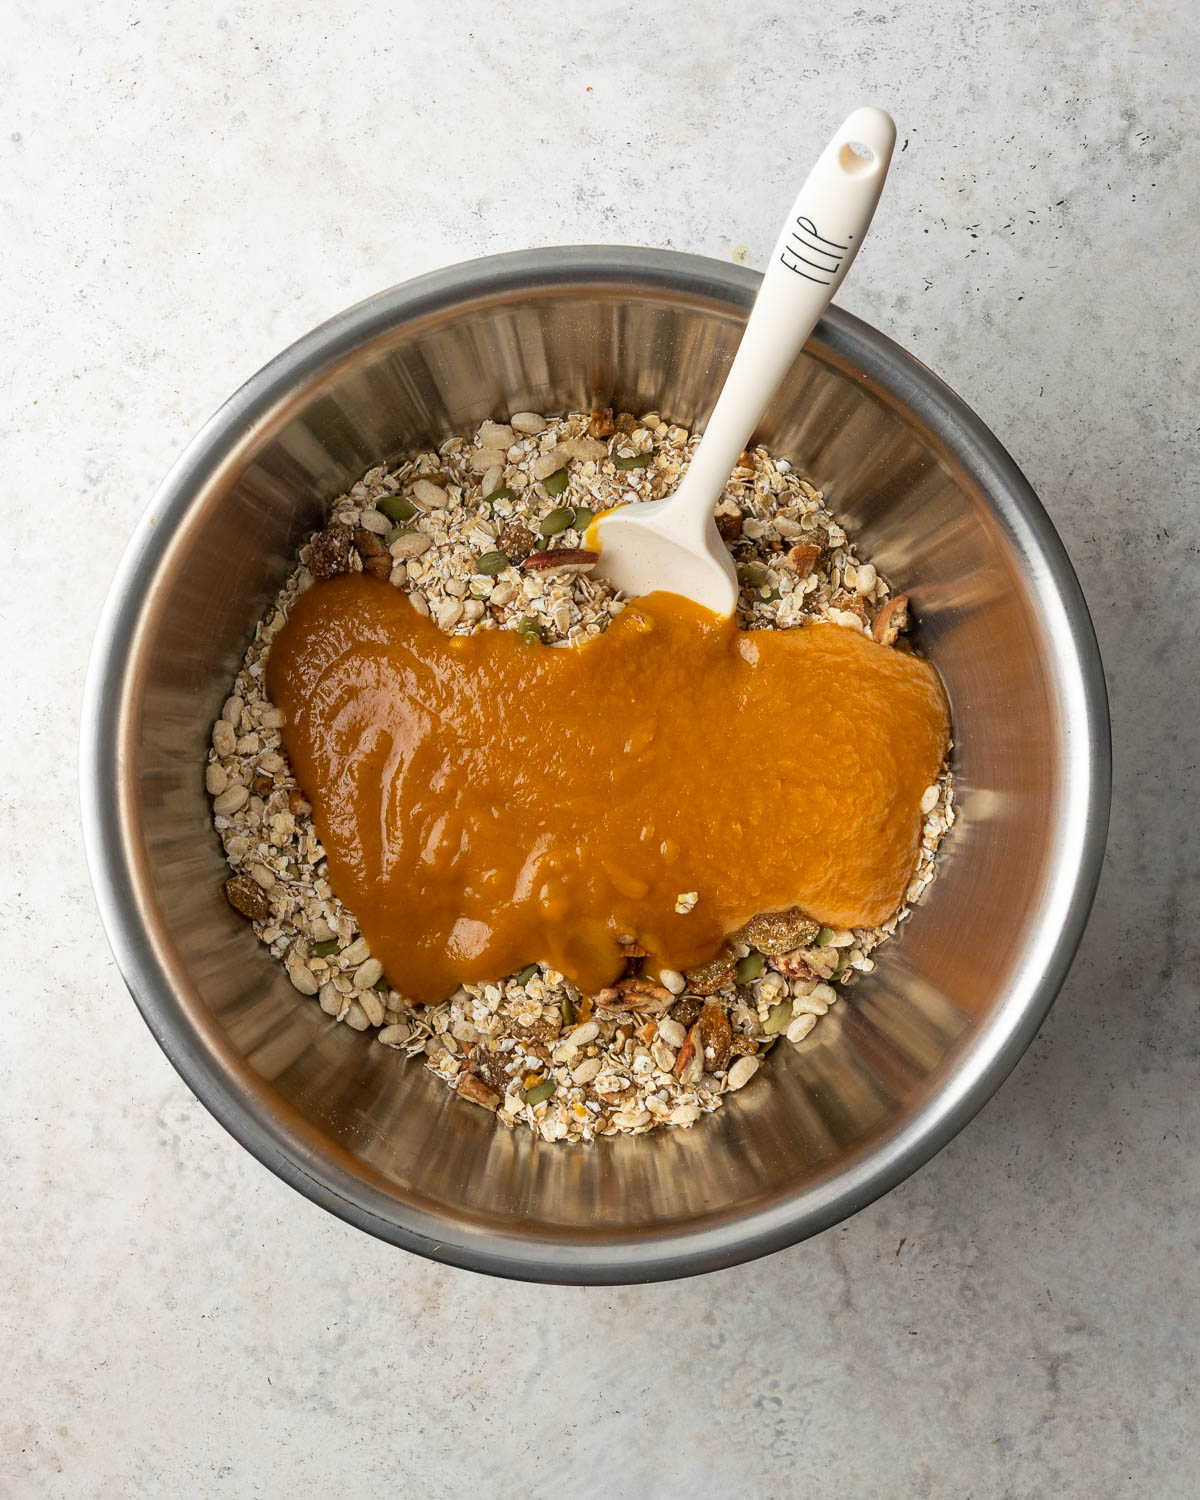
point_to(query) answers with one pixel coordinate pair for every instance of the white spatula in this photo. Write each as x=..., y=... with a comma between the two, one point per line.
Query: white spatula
x=673, y=544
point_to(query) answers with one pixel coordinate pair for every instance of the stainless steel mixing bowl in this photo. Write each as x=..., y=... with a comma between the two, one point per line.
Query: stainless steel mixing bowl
x=890, y=1075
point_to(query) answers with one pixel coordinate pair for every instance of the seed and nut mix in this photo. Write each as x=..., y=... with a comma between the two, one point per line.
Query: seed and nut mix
x=488, y=534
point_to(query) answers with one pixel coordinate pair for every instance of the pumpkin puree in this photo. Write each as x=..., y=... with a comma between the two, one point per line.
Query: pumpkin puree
x=485, y=801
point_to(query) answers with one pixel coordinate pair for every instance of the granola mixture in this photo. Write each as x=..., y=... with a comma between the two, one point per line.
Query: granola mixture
x=488, y=534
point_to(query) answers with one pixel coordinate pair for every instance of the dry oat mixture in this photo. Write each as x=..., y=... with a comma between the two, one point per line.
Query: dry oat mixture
x=486, y=534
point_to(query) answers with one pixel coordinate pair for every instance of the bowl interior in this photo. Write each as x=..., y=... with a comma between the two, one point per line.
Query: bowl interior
x=883, y=1079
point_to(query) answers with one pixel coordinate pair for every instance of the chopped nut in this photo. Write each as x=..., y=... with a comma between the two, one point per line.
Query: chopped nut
x=802, y=558
x=474, y=1089
x=891, y=620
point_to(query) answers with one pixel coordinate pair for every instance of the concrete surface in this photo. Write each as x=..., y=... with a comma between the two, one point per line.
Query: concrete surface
x=186, y=188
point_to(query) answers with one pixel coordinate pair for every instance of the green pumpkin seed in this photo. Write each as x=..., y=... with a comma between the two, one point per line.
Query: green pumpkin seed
x=324, y=950
x=531, y=629
x=397, y=508
x=778, y=1017
x=381, y=985
x=526, y=974
x=748, y=968
x=555, y=483
x=501, y=494
x=752, y=575
x=491, y=563
x=632, y=460
x=556, y=521
x=584, y=516
x=539, y=1091
x=824, y=937
x=567, y=1010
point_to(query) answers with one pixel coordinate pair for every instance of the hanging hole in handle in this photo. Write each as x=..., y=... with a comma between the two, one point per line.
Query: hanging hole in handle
x=856, y=157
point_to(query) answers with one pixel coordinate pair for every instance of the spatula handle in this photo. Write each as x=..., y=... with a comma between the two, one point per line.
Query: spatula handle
x=816, y=247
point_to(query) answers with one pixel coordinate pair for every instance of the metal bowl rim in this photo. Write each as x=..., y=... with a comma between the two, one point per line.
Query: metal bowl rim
x=246, y=1113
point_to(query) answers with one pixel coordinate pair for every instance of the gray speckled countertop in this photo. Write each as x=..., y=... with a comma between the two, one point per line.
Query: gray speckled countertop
x=184, y=190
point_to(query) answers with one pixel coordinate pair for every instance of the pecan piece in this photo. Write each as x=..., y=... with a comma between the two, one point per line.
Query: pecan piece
x=600, y=423
x=707, y=978
x=689, y=1061
x=561, y=560
x=376, y=559
x=473, y=1088
x=780, y=931
x=891, y=620
x=807, y=963
x=329, y=551
x=247, y=897
x=262, y=784
x=803, y=558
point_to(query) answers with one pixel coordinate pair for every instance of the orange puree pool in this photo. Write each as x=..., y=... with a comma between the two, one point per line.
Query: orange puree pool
x=485, y=801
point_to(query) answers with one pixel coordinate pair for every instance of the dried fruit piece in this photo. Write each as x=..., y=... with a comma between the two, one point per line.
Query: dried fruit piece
x=329, y=551
x=686, y=1010
x=729, y=524
x=716, y=1036
x=891, y=620
x=780, y=931
x=376, y=559
x=515, y=541
x=708, y=978
x=600, y=423
x=247, y=897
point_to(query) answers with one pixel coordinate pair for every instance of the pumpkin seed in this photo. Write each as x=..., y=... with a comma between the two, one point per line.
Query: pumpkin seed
x=539, y=1091
x=632, y=460
x=824, y=937
x=778, y=1017
x=555, y=483
x=584, y=516
x=501, y=494
x=526, y=974
x=531, y=629
x=556, y=521
x=491, y=563
x=324, y=950
x=748, y=968
x=752, y=575
x=396, y=508
x=567, y=1010
x=381, y=985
